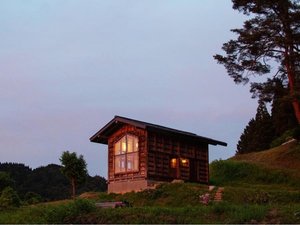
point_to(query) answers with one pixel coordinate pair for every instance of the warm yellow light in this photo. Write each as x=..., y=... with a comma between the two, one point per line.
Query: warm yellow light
x=183, y=161
x=173, y=163
x=123, y=146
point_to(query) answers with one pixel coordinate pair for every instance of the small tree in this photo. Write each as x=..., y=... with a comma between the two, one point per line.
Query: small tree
x=32, y=198
x=9, y=198
x=74, y=168
x=5, y=180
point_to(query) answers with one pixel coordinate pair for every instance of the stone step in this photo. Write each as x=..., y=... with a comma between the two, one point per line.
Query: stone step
x=219, y=194
x=111, y=204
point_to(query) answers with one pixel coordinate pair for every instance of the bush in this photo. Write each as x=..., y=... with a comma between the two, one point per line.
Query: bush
x=103, y=196
x=62, y=213
x=32, y=198
x=296, y=133
x=293, y=133
x=9, y=198
x=5, y=180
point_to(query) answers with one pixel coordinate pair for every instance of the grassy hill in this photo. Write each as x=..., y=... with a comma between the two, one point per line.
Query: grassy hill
x=261, y=187
x=285, y=157
x=277, y=166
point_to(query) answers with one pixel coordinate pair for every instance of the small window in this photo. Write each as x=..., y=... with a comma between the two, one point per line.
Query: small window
x=184, y=162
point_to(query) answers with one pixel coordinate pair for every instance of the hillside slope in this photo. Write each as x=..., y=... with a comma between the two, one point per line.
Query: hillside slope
x=279, y=166
x=285, y=157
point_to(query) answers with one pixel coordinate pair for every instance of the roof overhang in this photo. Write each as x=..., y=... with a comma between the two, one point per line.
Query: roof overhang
x=117, y=122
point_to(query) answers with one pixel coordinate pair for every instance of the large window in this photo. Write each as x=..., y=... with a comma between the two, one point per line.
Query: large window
x=126, y=154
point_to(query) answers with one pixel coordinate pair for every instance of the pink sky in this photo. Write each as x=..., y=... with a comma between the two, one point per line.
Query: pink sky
x=67, y=67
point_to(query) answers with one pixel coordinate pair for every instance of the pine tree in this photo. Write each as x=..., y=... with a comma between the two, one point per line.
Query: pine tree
x=265, y=132
x=245, y=144
x=275, y=91
x=283, y=116
x=259, y=132
x=270, y=36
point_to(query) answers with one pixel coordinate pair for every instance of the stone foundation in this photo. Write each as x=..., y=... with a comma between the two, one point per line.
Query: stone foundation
x=130, y=185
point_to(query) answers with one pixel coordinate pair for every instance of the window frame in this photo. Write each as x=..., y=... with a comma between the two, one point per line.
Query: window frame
x=122, y=151
x=184, y=162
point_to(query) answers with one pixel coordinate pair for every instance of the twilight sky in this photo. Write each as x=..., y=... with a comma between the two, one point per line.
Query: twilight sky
x=67, y=67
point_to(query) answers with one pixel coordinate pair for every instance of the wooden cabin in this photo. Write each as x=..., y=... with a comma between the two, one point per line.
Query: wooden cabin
x=142, y=154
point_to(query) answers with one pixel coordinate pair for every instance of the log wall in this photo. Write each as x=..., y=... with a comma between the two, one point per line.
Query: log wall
x=162, y=148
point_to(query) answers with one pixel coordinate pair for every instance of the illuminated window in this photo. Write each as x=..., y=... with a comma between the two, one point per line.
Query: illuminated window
x=173, y=163
x=184, y=162
x=126, y=154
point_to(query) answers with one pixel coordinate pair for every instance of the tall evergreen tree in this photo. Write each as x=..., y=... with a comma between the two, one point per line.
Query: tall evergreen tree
x=283, y=116
x=259, y=132
x=271, y=35
x=265, y=132
x=275, y=91
x=245, y=144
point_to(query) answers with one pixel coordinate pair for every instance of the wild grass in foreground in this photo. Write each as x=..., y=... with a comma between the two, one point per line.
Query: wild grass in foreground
x=46, y=213
x=84, y=211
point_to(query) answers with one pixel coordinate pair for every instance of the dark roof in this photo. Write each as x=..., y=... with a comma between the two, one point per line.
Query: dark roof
x=117, y=122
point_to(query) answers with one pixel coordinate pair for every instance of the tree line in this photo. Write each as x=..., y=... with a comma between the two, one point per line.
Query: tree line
x=45, y=183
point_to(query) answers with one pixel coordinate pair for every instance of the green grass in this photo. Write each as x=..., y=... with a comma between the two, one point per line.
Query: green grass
x=214, y=213
x=262, y=196
x=277, y=166
x=225, y=172
x=174, y=195
x=285, y=157
x=240, y=205
x=47, y=213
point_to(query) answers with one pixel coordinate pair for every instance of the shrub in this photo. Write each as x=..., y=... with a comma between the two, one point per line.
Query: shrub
x=5, y=180
x=285, y=137
x=32, y=198
x=9, y=198
x=62, y=213
x=296, y=133
x=103, y=196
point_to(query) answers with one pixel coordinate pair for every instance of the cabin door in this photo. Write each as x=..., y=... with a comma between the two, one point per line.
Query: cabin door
x=193, y=171
x=174, y=168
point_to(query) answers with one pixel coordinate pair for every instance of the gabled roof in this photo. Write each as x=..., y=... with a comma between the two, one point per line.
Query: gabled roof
x=117, y=122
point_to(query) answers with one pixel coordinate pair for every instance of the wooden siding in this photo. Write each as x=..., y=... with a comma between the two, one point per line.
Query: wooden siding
x=162, y=148
x=155, y=153
x=141, y=134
